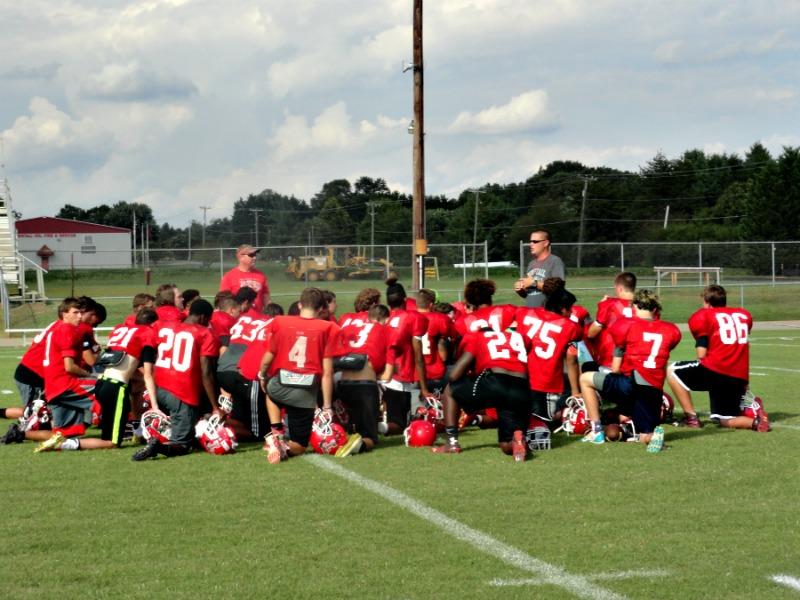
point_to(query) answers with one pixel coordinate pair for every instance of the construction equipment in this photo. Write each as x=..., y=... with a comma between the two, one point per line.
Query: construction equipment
x=324, y=267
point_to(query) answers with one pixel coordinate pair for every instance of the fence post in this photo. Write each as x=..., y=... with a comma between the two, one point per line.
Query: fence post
x=622, y=257
x=521, y=260
x=700, y=262
x=741, y=295
x=773, y=264
x=485, y=259
x=221, y=271
x=464, y=263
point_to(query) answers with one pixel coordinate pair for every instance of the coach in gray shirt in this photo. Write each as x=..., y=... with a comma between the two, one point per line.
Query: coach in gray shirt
x=543, y=265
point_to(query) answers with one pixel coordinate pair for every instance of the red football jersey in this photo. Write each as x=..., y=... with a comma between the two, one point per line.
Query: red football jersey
x=404, y=326
x=132, y=340
x=130, y=320
x=299, y=344
x=168, y=314
x=580, y=316
x=353, y=318
x=439, y=326
x=371, y=339
x=221, y=323
x=647, y=344
x=499, y=318
x=609, y=311
x=727, y=330
x=62, y=340
x=178, y=368
x=33, y=358
x=250, y=361
x=496, y=349
x=235, y=279
x=550, y=336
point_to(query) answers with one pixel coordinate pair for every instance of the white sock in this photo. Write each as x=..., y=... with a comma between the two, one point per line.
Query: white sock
x=71, y=444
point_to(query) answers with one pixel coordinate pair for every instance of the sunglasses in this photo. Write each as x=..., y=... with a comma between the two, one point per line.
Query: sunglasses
x=537, y=241
x=251, y=254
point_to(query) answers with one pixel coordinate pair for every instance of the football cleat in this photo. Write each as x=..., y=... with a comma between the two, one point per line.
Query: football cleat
x=667, y=408
x=420, y=433
x=215, y=437
x=656, y=443
x=518, y=449
x=275, y=448
x=574, y=417
x=156, y=425
x=594, y=437
x=538, y=435
x=53, y=443
x=691, y=421
x=466, y=419
x=761, y=422
x=149, y=451
x=447, y=448
x=351, y=446
x=14, y=435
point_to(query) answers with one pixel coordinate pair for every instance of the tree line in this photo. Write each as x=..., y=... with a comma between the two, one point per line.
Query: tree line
x=698, y=196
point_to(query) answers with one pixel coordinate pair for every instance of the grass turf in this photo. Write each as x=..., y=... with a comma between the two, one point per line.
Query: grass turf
x=716, y=512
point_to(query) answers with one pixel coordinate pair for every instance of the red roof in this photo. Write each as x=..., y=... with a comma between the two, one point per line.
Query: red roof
x=55, y=225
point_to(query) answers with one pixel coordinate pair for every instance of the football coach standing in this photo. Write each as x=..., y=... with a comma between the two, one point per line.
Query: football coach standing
x=543, y=264
x=245, y=274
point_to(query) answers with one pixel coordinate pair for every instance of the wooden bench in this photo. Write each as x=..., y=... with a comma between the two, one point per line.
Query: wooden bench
x=702, y=272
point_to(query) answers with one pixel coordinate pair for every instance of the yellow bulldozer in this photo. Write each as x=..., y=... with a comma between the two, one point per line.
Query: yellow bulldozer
x=324, y=267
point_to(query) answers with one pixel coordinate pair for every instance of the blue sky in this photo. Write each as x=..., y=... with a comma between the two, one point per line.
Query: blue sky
x=181, y=103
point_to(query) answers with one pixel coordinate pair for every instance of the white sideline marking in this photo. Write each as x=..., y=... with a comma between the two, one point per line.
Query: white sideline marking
x=6, y=392
x=612, y=576
x=551, y=574
x=790, y=582
x=781, y=369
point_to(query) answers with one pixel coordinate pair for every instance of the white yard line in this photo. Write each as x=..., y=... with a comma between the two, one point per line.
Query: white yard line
x=790, y=582
x=549, y=574
x=611, y=576
x=781, y=369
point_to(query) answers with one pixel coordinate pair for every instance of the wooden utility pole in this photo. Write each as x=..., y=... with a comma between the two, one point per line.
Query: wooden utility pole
x=418, y=205
x=205, y=211
x=255, y=212
x=582, y=229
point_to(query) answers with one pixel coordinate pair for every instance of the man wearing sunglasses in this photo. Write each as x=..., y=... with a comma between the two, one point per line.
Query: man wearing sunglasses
x=544, y=264
x=245, y=274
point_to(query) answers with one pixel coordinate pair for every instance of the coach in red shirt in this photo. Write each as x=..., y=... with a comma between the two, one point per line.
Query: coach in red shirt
x=246, y=275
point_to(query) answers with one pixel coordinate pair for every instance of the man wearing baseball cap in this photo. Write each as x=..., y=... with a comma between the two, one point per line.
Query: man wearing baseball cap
x=246, y=275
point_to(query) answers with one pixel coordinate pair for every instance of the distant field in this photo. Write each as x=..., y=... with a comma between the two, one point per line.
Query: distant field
x=115, y=288
x=713, y=516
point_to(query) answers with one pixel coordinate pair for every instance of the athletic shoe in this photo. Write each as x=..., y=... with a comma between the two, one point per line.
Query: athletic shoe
x=14, y=435
x=518, y=449
x=149, y=451
x=761, y=422
x=352, y=446
x=594, y=437
x=447, y=448
x=275, y=449
x=466, y=419
x=656, y=443
x=53, y=443
x=691, y=421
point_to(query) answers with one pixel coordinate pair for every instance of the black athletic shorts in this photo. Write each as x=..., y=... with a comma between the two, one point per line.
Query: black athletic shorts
x=641, y=403
x=115, y=401
x=298, y=422
x=249, y=404
x=398, y=406
x=724, y=392
x=510, y=395
x=362, y=402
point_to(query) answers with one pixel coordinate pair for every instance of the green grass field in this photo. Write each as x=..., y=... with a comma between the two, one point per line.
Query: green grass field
x=713, y=516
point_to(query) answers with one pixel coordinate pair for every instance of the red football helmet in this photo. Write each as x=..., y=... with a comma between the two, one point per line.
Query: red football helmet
x=214, y=437
x=574, y=418
x=538, y=435
x=667, y=408
x=420, y=433
x=156, y=425
x=326, y=436
x=749, y=405
x=35, y=416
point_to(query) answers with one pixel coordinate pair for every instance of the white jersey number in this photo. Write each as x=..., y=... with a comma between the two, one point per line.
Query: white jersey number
x=298, y=352
x=544, y=330
x=514, y=340
x=656, y=339
x=175, y=350
x=732, y=328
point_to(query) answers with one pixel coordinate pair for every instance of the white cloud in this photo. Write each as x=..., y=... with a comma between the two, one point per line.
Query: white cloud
x=524, y=112
x=131, y=82
x=48, y=137
x=775, y=95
